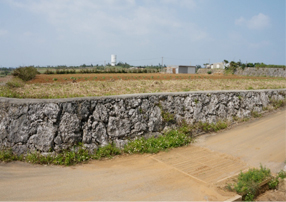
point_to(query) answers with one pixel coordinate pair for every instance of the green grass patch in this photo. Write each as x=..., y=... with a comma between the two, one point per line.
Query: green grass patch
x=248, y=182
x=6, y=155
x=282, y=174
x=107, y=152
x=212, y=127
x=15, y=83
x=172, y=139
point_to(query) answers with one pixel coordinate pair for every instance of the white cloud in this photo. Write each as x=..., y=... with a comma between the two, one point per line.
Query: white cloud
x=257, y=22
x=112, y=18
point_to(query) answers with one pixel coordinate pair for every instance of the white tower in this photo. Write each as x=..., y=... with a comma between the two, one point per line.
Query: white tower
x=113, y=60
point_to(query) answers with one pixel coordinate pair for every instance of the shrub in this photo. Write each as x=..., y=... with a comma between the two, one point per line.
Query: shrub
x=273, y=183
x=15, y=83
x=209, y=72
x=25, y=73
x=248, y=182
x=49, y=72
x=282, y=174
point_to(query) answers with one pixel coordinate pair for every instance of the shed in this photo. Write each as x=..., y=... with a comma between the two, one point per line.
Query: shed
x=181, y=69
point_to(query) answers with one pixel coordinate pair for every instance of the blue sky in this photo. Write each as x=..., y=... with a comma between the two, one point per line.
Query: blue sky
x=140, y=32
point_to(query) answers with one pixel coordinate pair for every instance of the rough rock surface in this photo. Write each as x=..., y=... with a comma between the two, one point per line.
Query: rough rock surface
x=268, y=72
x=54, y=125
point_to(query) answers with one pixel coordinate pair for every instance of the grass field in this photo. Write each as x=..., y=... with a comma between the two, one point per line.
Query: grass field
x=87, y=85
x=67, y=78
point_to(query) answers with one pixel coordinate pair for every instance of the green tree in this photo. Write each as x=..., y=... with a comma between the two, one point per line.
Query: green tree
x=250, y=65
x=198, y=67
x=206, y=65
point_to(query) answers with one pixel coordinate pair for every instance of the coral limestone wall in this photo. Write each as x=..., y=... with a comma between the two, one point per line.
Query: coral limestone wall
x=268, y=72
x=54, y=125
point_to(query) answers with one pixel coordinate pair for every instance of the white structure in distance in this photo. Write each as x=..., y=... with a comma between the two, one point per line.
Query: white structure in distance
x=113, y=60
x=218, y=65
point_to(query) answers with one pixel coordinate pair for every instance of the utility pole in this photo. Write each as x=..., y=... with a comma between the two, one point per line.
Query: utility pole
x=162, y=61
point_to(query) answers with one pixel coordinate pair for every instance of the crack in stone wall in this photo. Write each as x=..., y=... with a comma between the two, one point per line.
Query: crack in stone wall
x=56, y=125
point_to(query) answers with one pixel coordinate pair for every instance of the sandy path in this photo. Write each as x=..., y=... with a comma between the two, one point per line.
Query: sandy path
x=259, y=141
x=126, y=178
x=187, y=173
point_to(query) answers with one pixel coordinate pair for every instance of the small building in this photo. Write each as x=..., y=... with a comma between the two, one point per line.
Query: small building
x=181, y=69
x=218, y=65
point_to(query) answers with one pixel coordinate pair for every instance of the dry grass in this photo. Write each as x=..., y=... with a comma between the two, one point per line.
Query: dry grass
x=118, y=87
x=67, y=78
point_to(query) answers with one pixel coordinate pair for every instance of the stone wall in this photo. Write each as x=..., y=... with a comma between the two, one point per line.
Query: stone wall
x=214, y=71
x=268, y=72
x=54, y=125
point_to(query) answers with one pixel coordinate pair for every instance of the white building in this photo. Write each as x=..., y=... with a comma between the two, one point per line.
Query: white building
x=218, y=65
x=113, y=60
x=181, y=69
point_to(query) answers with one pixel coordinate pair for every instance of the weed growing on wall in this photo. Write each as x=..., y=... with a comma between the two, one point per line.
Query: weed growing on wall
x=278, y=103
x=168, y=117
x=255, y=114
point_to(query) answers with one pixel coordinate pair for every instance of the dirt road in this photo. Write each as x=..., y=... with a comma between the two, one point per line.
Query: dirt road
x=187, y=173
x=261, y=141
